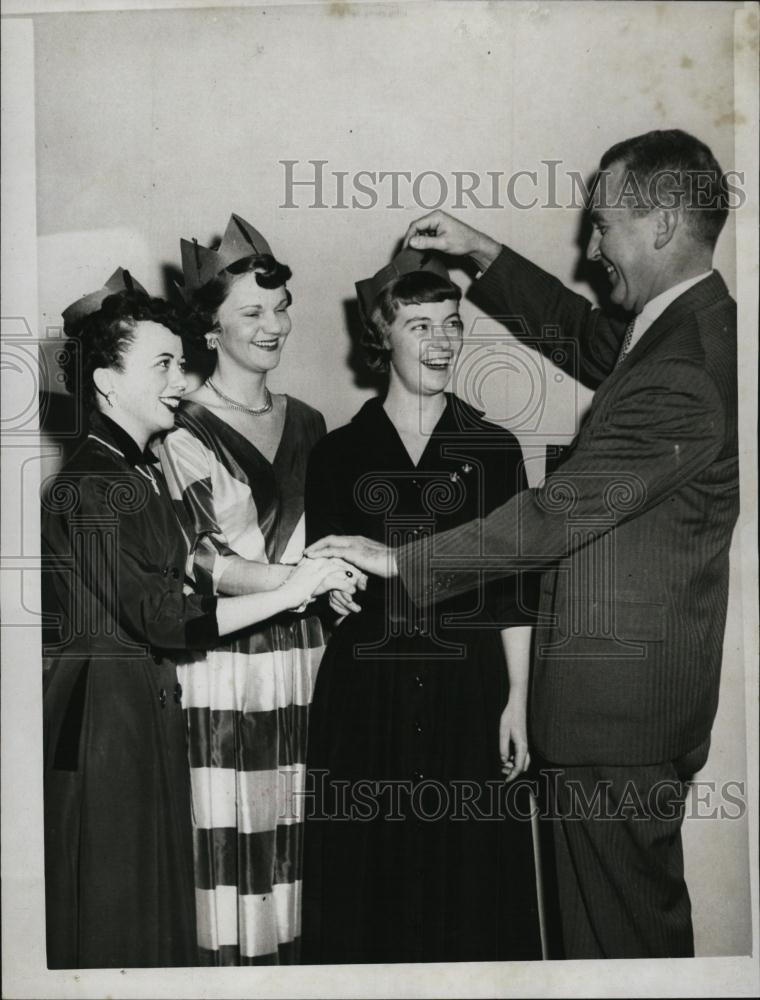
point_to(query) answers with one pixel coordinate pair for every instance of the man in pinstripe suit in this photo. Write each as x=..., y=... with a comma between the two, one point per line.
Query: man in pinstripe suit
x=631, y=532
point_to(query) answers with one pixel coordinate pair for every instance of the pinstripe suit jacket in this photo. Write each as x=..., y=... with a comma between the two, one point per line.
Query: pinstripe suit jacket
x=631, y=532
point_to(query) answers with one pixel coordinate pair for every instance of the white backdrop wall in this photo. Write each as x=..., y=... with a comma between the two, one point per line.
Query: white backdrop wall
x=155, y=125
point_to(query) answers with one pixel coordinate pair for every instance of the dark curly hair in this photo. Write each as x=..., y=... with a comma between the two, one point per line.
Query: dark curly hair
x=414, y=288
x=101, y=339
x=201, y=309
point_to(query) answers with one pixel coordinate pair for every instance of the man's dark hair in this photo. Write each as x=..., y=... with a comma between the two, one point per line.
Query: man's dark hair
x=671, y=168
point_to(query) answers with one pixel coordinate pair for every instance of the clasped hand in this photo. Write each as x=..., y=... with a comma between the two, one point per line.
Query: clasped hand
x=364, y=553
x=320, y=574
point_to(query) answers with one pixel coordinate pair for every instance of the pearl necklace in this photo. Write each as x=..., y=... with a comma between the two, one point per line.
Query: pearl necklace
x=258, y=411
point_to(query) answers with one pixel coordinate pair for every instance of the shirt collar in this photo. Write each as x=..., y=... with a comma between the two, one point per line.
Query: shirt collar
x=102, y=425
x=657, y=306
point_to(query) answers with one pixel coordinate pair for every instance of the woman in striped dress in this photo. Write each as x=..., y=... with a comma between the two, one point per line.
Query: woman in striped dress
x=237, y=463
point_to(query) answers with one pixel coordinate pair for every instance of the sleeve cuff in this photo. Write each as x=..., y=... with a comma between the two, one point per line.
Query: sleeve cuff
x=490, y=274
x=424, y=586
x=203, y=632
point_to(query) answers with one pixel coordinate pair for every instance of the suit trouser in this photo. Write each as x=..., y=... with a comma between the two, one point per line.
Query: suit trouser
x=619, y=858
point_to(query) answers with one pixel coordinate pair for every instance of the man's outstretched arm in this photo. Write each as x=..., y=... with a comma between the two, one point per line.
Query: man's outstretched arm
x=663, y=432
x=526, y=298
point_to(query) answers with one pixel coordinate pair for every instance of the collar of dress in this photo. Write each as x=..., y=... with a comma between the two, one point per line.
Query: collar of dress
x=113, y=436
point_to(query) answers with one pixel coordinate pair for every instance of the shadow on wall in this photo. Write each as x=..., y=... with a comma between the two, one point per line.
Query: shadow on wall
x=199, y=360
x=172, y=282
x=363, y=376
x=62, y=425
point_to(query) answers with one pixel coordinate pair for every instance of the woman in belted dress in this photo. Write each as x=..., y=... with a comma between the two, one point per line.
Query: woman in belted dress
x=119, y=874
x=416, y=848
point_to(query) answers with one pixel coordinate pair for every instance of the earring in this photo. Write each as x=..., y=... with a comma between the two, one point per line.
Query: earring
x=212, y=339
x=108, y=398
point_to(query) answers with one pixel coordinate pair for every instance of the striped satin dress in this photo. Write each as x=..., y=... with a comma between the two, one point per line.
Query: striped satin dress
x=247, y=701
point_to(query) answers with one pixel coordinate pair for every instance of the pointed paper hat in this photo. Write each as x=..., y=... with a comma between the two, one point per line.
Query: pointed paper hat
x=200, y=264
x=406, y=262
x=120, y=281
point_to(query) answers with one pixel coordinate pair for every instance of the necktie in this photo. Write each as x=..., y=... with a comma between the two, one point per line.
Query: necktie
x=626, y=343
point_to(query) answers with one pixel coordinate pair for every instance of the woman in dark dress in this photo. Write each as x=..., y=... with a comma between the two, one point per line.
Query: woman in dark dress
x=417, y=848
x=119, y=864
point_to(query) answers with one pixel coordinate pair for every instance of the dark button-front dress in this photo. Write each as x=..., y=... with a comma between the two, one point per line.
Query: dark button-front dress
x=118, y=865
x=415, y=849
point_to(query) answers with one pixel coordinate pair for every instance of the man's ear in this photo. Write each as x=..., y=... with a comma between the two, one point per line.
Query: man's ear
x=667, y=221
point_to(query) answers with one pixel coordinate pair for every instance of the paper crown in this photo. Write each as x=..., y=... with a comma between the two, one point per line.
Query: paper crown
x=406, y=262
x=200, y=264
x=120, y=281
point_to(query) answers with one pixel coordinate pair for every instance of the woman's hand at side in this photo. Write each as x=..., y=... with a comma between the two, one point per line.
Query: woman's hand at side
x=513, y=738
x=513, y=725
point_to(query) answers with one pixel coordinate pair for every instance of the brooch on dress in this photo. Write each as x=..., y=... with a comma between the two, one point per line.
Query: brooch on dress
x=454, y=476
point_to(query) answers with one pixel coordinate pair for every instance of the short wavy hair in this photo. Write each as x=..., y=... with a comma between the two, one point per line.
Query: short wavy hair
x=410, y=289
x=101, y=339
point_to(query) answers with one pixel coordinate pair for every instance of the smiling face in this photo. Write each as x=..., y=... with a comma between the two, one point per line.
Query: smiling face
x=253, y=323
x=425, y=340
x=623, y=242
x=146, y=392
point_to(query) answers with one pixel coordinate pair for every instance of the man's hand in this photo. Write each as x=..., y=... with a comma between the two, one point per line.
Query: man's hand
x=440, y=231
x=372, y=557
